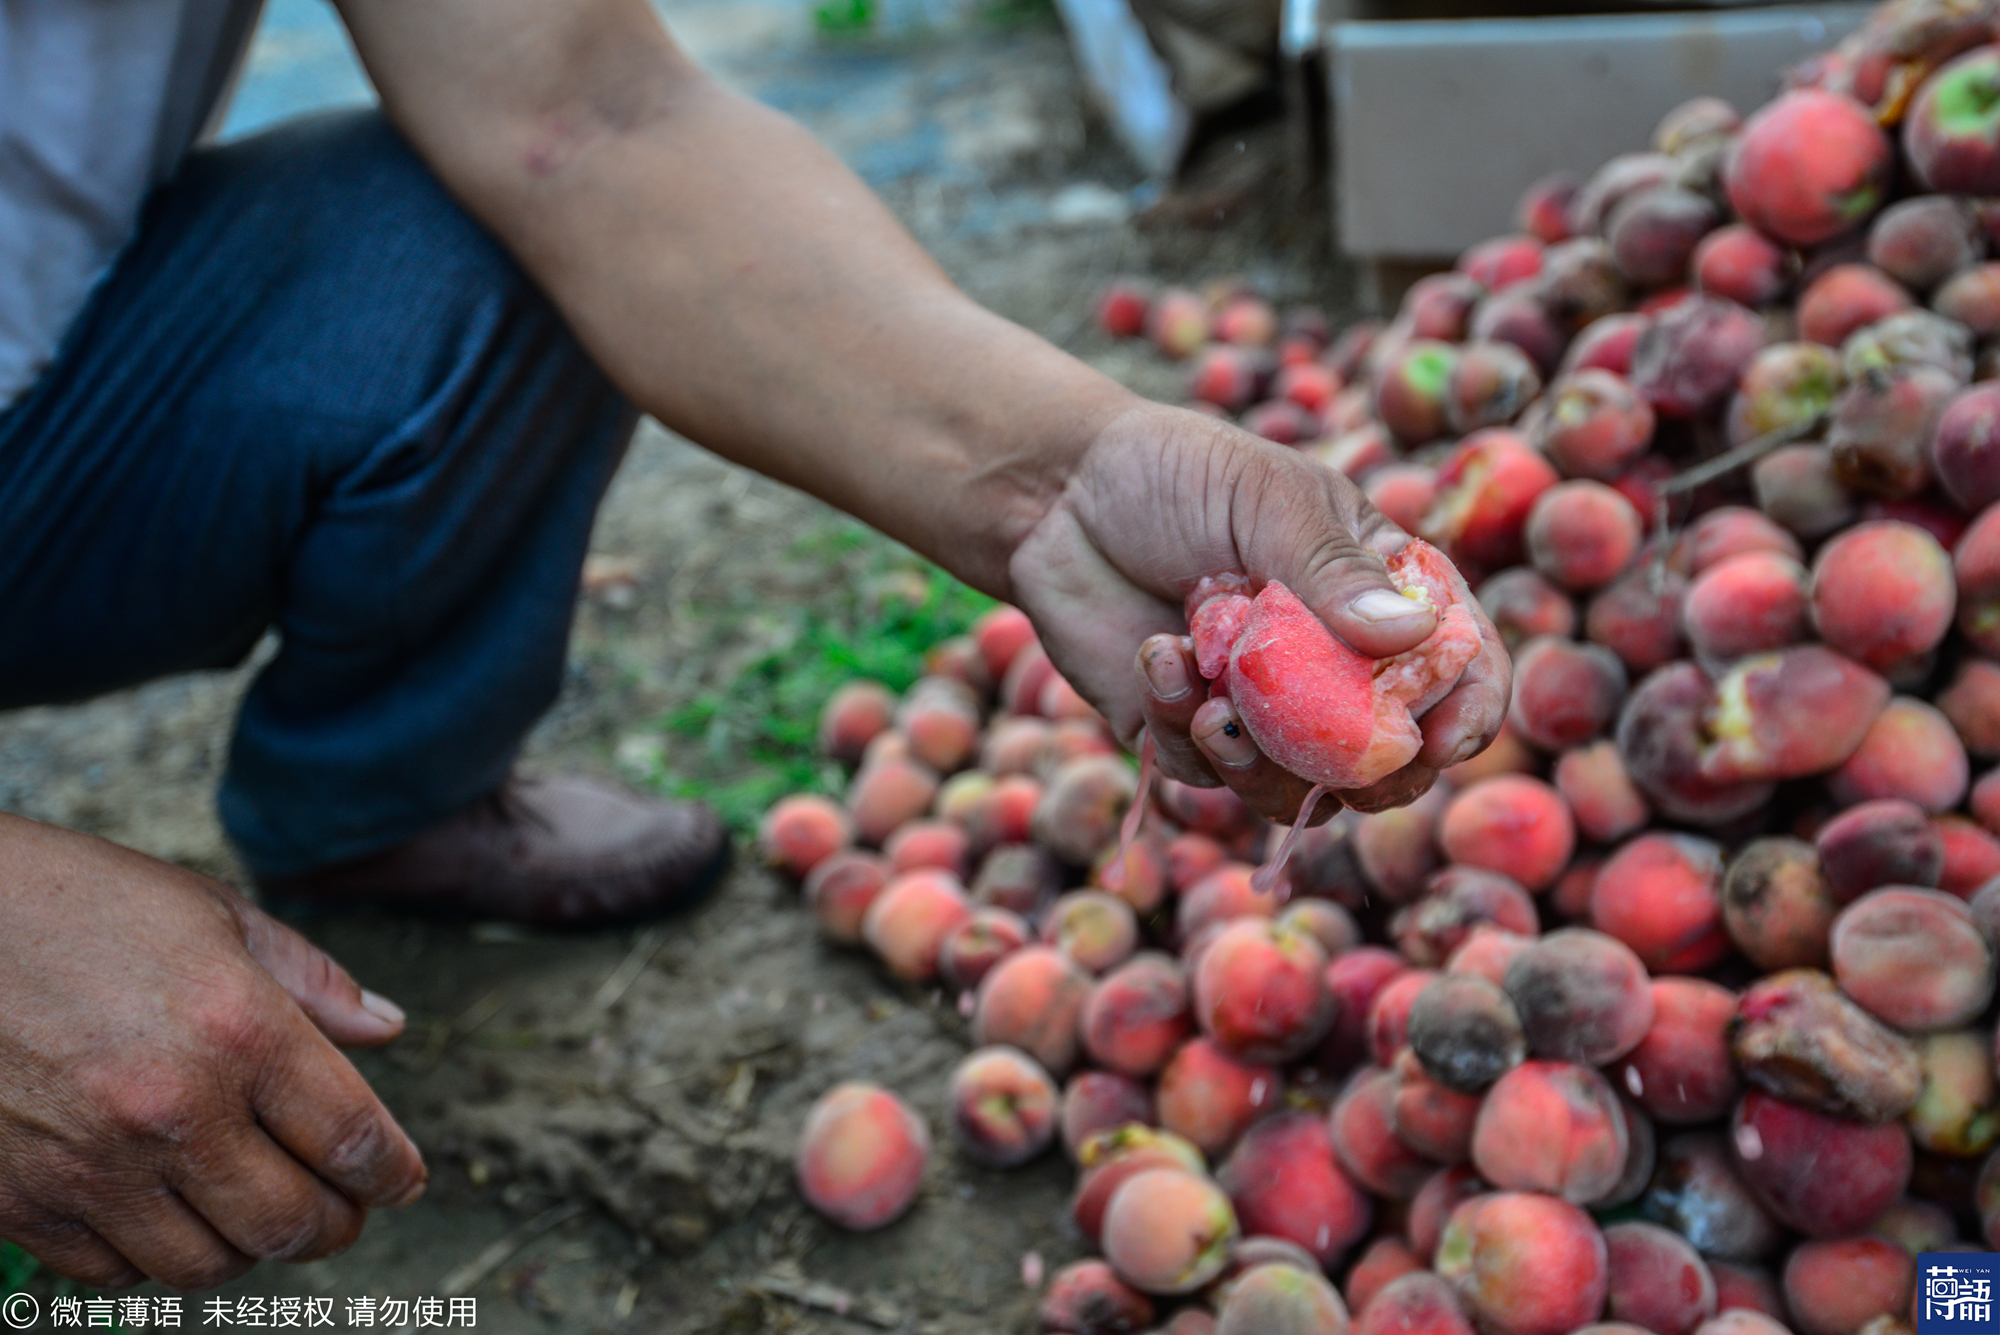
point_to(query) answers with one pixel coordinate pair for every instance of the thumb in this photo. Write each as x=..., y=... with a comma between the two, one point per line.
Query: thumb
x=1348, y=587
x=346, y=1012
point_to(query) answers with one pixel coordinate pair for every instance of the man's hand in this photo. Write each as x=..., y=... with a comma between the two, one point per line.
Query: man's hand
x=171, y=1101
x=741, y=285
x=1164, y=497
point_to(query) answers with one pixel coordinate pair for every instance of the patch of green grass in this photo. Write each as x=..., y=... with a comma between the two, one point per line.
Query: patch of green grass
x=752, y=740
x=843, y=18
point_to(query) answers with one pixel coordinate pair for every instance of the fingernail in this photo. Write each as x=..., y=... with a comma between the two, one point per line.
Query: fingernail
x=1229, y=741
x=1166, y=673
x=381, y=1007
x=1382, y=605
x=1467, y=749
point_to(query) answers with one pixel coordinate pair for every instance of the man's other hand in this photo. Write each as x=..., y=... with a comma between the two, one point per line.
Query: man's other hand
x=172, y=1103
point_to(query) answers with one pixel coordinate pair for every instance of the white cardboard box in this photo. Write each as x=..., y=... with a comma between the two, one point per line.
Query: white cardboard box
x=1438, y=126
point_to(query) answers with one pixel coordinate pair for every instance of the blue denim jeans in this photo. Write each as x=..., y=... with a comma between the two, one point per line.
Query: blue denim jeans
x=312, y=394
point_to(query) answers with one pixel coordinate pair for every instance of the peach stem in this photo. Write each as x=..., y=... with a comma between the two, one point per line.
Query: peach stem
x=1266, y=876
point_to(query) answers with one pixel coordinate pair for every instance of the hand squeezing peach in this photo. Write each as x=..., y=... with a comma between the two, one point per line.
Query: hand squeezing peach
x=1321, y=709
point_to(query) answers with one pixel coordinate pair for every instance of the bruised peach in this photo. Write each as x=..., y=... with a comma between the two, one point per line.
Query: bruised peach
x=1797, y=486
x=840, y=889
x=1003, y=1107
x=1659, y=736
x=1605, y=802
x=1178, y=323
x=1606, y=344
x=801, y=831
x=1457, y=900
x=1883, y=592
x=1439, y=306
x=862, y=1156
x=1657, y=1282
x=853, y=716
x=1797, y=1036
x=1525, y=1263
x=1661, y=895
x=1108, y=1159
x=1466, y=1033
x=1565, y=693
x=1095, y=1102
x=1223, y=894
x=1808, y=166
x=1325, y=870
x=1389, y=1014
x=1431, y=1118
x=1787, y=715
x=1278, y=1299
x=927, y=843
x=1835, y=1287
x=1168, y=1231
x=1211, y=1098
x=1922, y=241
x=1690, y=357
x=1364, y=1137
x=1087, y=1298
x=1284, y=1182
x=1913, y=958
x=1489, y=385
x=1697, y=1191
x=1614, y=182
x=1443, y=1192
x=1956, y=1113
x=1354, y=980
x=1595, y=426
x=1502, y=261
x=1137, y=1015
x=1883, y=427
x=1965, y=451
x=1680, y=1072
x=1410, y=390
x=887, y=793
x=1032, y=1000
x=1260, y=993
x=1949, y=133
x=1486, y=952
x=1910, y=752
x=1079, y=812
x=1846, y=298
x=1396, y=849
x=1020, y=877
x=1972, y=297
x=1325, y=922
x=908, y=922
x=1215, y=812
x=1486, y=489
x=1096, y=930
x=1543, y=213
x=1359, y=726
x=980, y=942
x=1514, y=825
x=1742, y=264
x=1581, y=996
x=1554, y=1127
x=1403, y=492
x=1582, y=534
x=1639, y=617
x=1653, y=234
x=1751, y=603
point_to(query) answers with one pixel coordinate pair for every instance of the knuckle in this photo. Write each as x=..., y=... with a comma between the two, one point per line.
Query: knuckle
x=218, y=1265
x=364, y=1156
x=284, y=1234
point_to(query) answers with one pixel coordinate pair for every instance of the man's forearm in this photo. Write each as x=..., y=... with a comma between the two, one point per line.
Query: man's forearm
x=732, y=275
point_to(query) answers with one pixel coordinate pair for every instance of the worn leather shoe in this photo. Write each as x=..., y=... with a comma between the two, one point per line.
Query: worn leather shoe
x=560, y=852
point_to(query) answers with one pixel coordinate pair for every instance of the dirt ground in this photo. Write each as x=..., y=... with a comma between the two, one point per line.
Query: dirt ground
x=609, y=1118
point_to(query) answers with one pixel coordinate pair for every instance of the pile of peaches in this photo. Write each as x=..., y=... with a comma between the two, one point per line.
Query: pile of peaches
x=1674, y=1010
